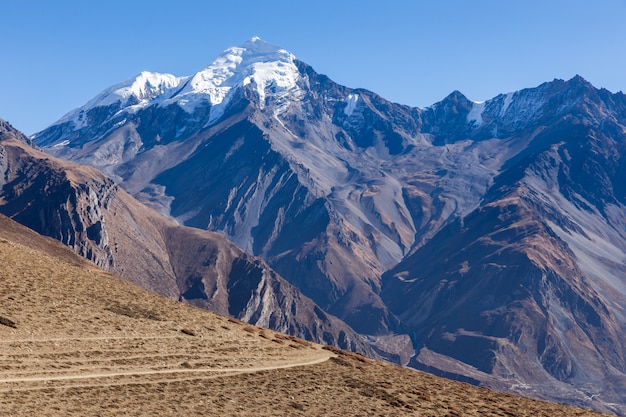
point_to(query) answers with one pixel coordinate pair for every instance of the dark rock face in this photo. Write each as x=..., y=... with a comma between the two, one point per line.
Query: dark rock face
x=447, y=120
x=44, y=199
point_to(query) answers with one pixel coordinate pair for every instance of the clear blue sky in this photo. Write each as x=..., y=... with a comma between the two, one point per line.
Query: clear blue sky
x=56, y=55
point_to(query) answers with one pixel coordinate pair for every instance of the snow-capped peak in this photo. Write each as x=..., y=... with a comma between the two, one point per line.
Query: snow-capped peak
x=143, y=87
x=135, y=91
x=255, y=62
x=268, y=68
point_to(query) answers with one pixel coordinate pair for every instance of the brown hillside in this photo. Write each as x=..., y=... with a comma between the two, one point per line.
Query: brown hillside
x=79, y=341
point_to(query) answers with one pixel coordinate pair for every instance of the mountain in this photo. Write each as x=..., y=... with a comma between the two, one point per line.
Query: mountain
x=79, y=341
x=86, y=211
x=259, y=147
x=527, y=288
x=490, y=232
x=8, y=131
x=244, y=148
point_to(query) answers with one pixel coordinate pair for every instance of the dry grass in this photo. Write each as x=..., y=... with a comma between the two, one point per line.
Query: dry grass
x=87, y=343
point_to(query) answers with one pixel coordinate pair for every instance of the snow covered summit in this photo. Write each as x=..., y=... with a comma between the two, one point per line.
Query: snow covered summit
x=270, y=70
x=140, y=91
x=255, y=62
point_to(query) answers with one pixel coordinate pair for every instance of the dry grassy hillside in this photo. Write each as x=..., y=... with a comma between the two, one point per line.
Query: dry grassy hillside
x=78, y=341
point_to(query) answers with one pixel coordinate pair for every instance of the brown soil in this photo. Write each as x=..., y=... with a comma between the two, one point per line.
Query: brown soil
x=87, y=343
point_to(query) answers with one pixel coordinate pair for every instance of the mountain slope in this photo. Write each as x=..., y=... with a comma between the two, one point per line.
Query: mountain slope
x=86, y=211
x=528, y=287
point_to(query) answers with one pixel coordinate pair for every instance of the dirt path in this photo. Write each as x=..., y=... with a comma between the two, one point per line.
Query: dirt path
x=93, y=338
x=41, y=364
x=230, y=371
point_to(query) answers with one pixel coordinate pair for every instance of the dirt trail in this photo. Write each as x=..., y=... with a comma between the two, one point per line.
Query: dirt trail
x=230, y=371
x=82, y=339
x=44, y=362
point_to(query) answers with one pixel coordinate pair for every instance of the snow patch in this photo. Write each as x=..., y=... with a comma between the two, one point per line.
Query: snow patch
x=351, y=104
x=63, y=143
x=507, y=102
x=476, y=114
x=144, y=87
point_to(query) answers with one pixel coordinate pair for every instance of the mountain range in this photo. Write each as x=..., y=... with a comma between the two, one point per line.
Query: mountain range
x=491, y=234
